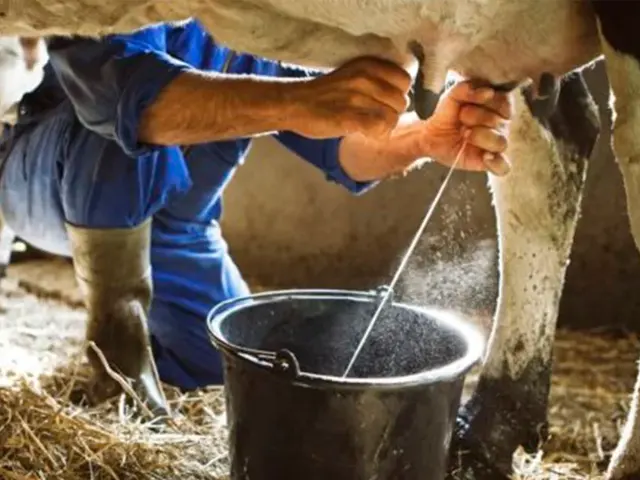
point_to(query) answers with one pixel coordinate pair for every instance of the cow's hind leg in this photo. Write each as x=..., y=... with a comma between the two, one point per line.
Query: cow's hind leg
x=621, y=46
x=537, y=208
x=7, y=238
x=114, y=272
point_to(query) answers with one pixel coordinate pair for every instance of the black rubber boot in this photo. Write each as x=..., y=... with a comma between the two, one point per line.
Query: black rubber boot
x=113, y=270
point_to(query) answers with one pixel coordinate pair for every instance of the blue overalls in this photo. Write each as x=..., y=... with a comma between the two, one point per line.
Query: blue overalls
x=77, y=159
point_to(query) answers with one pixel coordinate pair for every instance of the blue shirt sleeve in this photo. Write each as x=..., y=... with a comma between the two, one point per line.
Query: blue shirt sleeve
x=323, y=154
x=111, y=81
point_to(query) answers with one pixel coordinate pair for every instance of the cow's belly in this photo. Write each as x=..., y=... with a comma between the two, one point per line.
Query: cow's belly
x=88, y=17
x=496, y=40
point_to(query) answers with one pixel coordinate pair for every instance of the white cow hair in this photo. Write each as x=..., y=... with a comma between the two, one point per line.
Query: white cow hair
x=536, y=235
x=489, y=39
x=624, y=77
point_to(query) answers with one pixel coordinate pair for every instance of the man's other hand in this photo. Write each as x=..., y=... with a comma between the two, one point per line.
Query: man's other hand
x=366, y=96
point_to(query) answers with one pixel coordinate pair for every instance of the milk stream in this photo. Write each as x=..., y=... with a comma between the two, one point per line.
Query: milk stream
x=405, y=260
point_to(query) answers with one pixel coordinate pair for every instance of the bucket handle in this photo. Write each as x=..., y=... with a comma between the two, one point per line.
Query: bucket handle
x=283, y=361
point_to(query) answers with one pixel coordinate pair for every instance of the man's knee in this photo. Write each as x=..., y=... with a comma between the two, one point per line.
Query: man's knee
x=102, y=187
x=29, y=190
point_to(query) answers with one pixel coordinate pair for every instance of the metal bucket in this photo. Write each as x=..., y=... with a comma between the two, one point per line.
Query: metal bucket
x=291, y=414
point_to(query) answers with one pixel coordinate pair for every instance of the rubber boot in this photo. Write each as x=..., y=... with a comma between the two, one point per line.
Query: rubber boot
x=113, y=270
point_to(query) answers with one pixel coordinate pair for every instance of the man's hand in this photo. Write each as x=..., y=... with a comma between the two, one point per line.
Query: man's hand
x=481, y=116
x=366, y=96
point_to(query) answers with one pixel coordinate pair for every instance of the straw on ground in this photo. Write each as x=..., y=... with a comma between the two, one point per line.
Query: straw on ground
x=44, y=436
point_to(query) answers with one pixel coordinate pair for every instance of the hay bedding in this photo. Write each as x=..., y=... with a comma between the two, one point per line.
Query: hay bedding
x=44, y=436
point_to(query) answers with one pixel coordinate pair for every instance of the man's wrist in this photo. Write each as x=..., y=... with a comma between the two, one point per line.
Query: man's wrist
x=366, y=159
x=289, y=110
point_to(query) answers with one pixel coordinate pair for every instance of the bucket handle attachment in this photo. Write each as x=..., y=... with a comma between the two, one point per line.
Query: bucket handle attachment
x=384, y=290
x=286, y=362
x=283, y=362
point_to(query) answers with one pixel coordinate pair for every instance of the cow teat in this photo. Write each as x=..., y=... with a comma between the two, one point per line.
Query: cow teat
x=542, y=96
x=424, y=100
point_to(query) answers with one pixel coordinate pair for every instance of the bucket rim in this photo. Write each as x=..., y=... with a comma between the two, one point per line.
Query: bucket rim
x=470, y=335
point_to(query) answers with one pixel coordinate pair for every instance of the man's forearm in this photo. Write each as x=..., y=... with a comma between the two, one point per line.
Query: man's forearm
x=368, y=159
x=199, y=107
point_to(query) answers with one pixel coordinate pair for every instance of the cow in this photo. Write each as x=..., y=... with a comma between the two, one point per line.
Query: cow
x=535, y=48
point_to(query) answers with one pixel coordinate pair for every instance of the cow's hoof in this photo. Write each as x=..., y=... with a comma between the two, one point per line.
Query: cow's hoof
x=623, y=476
x=468, y=466
x=623, y=468
x=472, y=458
x=499, y=418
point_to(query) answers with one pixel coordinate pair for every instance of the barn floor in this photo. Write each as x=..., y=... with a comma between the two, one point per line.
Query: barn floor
x=44, y=436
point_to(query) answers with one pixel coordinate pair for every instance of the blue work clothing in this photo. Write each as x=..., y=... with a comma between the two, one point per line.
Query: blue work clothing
x=79, y=160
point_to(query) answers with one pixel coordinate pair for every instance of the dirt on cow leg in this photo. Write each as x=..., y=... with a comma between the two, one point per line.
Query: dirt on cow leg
x=113, y=270
x=622, y=55
x=537, y=208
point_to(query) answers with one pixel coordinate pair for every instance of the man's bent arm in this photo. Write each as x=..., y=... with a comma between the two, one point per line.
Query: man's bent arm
x=129, y=89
